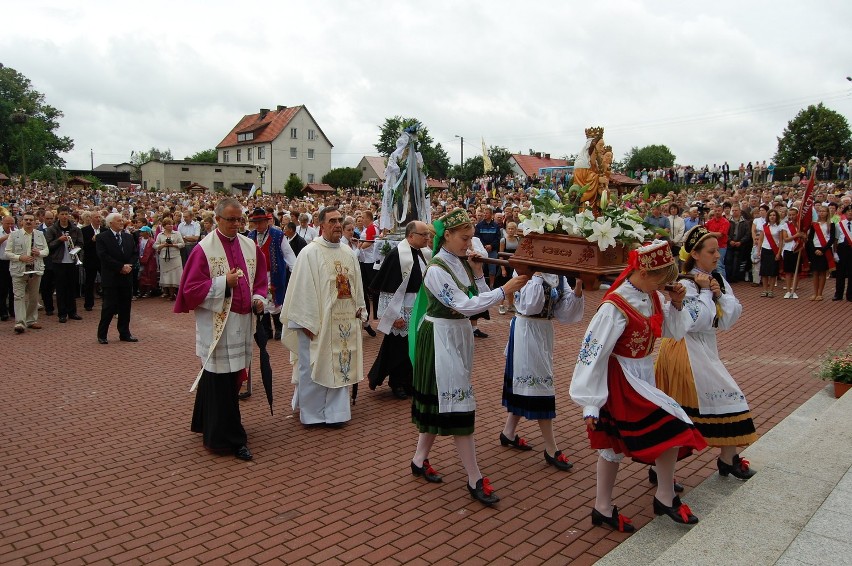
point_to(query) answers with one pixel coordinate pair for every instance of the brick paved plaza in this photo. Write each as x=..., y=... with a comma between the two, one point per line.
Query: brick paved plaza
x=97, y=463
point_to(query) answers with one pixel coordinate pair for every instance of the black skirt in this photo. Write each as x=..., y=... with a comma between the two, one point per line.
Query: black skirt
x=768, y=263
x=217, y=412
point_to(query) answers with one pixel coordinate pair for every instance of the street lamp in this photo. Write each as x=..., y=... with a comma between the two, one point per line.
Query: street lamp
x=19, y=116
x=462, y=151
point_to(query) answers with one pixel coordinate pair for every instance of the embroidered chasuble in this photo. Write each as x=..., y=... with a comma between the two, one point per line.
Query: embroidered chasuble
x=223, y=324
x=325, y=293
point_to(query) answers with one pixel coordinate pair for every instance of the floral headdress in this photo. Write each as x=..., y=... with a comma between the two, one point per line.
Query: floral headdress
x=456, y=218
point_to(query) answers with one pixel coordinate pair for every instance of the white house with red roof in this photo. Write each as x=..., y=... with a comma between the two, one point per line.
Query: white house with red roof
x=529, y=165
x=278, y=143
x=373, y=168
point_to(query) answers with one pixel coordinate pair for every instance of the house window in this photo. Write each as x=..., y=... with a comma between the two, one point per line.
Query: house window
x=293, y=153
x=184, y=168
x=239, y=151
x=217, y=170
x=248, y=154
x=312, y=134
x=249, y=171
x=158, y=184
x=185, y=184
x=245, y=137
x=226, y=156
x=293, y=134
x=310, y=177
x=218, y=185
x=310, y=154
x=261, y=152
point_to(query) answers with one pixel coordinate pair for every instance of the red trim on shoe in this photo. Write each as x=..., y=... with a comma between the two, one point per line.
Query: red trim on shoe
x=486, y=487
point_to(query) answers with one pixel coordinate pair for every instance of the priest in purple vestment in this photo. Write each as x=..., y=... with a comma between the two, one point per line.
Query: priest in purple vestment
x=224, y=281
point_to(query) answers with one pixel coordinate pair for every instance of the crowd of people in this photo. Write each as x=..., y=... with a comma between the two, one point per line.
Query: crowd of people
x=316, y=271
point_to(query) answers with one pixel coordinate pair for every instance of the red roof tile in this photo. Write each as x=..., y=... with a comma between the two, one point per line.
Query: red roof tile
x=530, y=164
x=318, y=188
x=265, y=128
x=623, y=180
x=436, y=184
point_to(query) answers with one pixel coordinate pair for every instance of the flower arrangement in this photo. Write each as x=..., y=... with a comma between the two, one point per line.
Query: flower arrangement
x=559, y=212
x=836, y=366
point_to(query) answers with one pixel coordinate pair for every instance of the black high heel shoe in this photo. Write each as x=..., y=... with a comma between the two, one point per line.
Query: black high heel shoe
x=652, y=477
x=617, y=522
x=427, y=472
x=678, y=512
x=369, y=330
x=739, y=469
x=558, y=460
x=519, y=443
x=483, y=492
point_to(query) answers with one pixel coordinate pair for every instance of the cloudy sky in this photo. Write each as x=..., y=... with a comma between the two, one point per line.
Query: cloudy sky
x=713, y=81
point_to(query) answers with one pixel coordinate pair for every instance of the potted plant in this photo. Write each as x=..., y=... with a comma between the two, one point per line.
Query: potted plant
x=836, y=366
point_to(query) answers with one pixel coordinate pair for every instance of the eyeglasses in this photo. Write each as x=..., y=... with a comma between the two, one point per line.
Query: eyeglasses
x=231, y=219
x=424, y=234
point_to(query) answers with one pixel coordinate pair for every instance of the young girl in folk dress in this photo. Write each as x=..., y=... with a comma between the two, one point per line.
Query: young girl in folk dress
x=690, y=369
x=613, y=381
x=528, y=381
x=444, y=402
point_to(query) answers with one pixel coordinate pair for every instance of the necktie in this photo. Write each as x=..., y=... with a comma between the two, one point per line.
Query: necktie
x=118, y=240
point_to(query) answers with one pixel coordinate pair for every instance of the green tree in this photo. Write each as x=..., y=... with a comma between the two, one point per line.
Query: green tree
x=28, y=126
x=815, y=131
x=435, y=158
x=473, y=167
x=293, y=187
x=648, y=157
x=204, y=156
x=138, y=158
x=343, y=177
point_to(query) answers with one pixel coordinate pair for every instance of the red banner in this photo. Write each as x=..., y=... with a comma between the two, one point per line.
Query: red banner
x=806, y=215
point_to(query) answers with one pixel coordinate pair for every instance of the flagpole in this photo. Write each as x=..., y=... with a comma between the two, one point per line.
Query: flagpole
x=808, y=194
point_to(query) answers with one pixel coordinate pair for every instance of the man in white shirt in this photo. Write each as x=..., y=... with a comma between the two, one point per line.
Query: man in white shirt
x=191, y=232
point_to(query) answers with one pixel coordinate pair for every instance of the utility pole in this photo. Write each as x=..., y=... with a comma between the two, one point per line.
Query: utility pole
x=92, y=154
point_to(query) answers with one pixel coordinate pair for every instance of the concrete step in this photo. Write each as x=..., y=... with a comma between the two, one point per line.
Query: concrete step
x=799, y=463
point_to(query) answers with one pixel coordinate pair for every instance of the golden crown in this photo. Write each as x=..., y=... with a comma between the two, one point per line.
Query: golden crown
x=596, y=132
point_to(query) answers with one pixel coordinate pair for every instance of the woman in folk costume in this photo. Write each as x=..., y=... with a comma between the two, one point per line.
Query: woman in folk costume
x=528, y=389
x=821, y=246
x=148, y=275
x=613, y=381
x=442, y=348
x=690, y=369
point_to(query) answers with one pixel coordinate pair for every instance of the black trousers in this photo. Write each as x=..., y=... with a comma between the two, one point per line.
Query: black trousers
x=844, y=272
x=89, y=287
x=66, y=278
x=216, y=414
x=7, y=298
x=116, y=301
x=46, y=289
x=367, y=275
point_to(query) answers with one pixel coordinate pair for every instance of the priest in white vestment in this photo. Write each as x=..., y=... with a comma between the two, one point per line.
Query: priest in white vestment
x=323, y=313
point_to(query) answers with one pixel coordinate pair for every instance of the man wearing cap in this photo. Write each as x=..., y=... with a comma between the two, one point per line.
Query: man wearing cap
x=271, y=242
x=323, y=318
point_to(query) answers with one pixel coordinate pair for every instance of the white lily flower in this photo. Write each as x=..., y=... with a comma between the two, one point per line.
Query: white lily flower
x=570, y=226
x=534, y=223
x=604, y=233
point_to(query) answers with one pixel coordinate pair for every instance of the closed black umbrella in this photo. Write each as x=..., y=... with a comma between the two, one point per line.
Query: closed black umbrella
x=261, y=338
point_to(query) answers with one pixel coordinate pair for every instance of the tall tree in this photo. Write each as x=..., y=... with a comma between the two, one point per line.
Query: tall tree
x=815, y=131
x=343, y=177
x=435, y=158
x=28, y=126
x=204, y=156
x=137, y=158
x=648, y=157
x=473, y=167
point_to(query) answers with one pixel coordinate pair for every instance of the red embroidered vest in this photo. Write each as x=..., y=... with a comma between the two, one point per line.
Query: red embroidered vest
x=637, y=340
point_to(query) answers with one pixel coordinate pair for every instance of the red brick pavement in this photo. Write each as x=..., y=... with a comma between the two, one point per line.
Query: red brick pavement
x=97, y=463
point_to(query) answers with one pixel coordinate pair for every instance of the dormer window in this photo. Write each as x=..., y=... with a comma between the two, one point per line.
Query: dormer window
x=245, y=137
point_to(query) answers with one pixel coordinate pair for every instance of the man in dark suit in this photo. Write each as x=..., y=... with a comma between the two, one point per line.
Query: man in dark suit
x=91, y=263
x=117, y=252
x=296, y=241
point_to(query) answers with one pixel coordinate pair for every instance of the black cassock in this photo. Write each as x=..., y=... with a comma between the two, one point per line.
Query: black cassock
x=392, y=360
